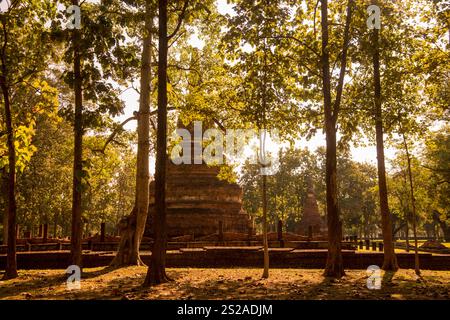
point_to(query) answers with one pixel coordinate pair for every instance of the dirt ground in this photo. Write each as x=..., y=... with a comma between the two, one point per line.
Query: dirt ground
x=125, y=283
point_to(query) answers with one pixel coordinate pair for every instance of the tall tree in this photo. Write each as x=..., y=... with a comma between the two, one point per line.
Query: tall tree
x=77, y=228
x=157, y=270
x=413, y=205
x=334, y=265
x=390, y=259
x=96, y=54
x=186, y=10
x=11, y=263
x=23, y=55
x=128, y=252
x=437, y=162
x=263, y=86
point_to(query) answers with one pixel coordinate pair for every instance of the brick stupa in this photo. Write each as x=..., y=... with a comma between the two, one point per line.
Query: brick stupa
x=197, y=200
x=311, y=223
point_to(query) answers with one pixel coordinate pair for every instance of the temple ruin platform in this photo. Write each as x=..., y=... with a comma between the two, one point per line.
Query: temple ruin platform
x=223, y=257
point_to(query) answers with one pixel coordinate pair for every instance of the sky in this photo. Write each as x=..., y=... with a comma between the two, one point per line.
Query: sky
x=360, y=154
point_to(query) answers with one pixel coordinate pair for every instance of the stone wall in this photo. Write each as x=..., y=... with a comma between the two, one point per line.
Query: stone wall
x=233, y=257
x=197, y=200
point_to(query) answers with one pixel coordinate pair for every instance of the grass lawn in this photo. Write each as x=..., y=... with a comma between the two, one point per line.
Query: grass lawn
x=104, y=283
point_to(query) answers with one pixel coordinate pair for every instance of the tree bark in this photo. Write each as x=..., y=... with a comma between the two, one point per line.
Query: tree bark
x=77, y=229
x=157, y=270
x=128, y=253
x=413, y=206
x=390, y=259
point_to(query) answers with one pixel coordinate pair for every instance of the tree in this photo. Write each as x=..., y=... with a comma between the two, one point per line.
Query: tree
x=128, y=252
x=44, y=185
x=24, y=51
x=391, y=56
x=187, y=11
x=390, y=259
x=43, y=188
x=334, y=265
x=413, y=205
x=156, y=272
x=95, y=55
x=77, y=228
x=436, y=159
x=287, y=187
x=357, y=193
x=401, y=96
x=263, y=86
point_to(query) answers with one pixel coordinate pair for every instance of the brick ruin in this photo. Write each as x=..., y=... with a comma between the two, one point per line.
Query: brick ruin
x=197, y=200
x=311, y=224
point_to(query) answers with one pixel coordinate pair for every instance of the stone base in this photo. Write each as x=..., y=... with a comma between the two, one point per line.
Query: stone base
x=200, y=223
x=197, y=201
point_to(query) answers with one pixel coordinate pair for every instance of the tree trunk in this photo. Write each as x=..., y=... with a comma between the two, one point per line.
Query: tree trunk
x=334, y=265
x=5, y=224
x=413, y=205
x=131, y=237
x=390, y=259
x=157, y=270
x=263, y=160
x=77, y=229
x=4, y=195
x=55, y=224
x=445, y=230
x=407, y=235
x=444, y=226
x=11, y=258
x=265, y=240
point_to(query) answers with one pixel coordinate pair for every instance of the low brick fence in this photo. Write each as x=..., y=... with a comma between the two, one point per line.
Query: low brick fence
x=146, y=246
x=42, y=247
x=221, y=257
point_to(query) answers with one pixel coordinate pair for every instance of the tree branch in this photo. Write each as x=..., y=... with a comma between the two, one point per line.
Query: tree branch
x=121, y=125
x=436, y=169
x=175, y=40
x=305, y=66
x=221, y=127
x=345, y=45
x=299, y=41
x=314, y=19
x=114, y=133
x=180, y=20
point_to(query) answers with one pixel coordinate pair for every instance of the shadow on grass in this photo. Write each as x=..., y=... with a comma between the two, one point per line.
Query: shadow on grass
x=106, y=284
x=39, y=282
x=93, y=285
x=387, y=278
x=245, y=288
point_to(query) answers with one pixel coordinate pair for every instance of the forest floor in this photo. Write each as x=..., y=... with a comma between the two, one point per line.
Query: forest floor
x=190, y=283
